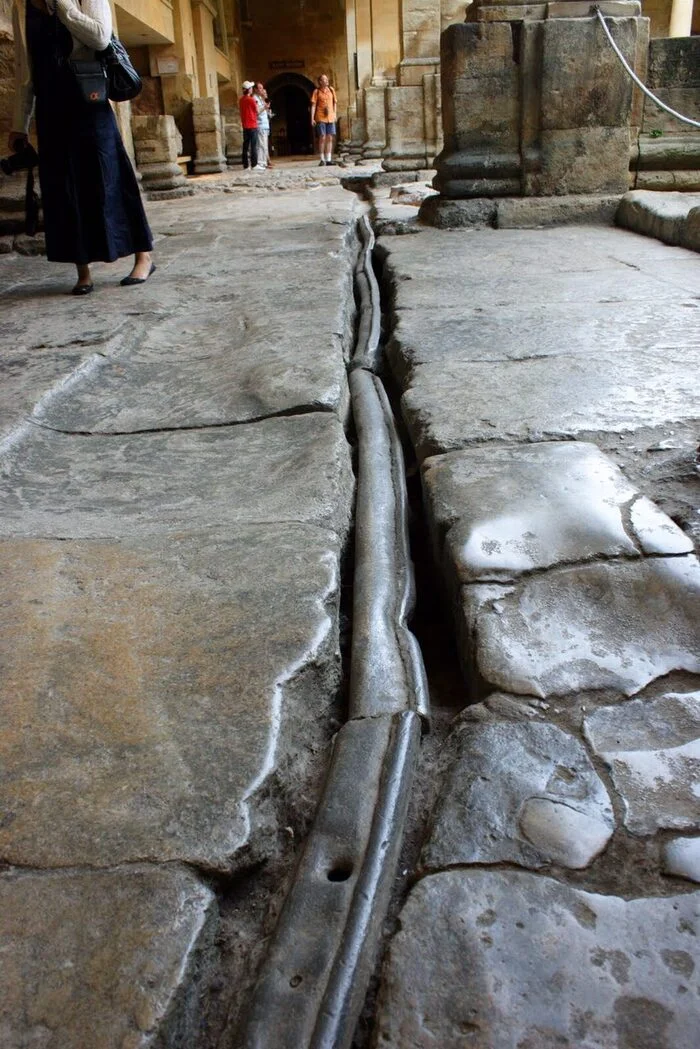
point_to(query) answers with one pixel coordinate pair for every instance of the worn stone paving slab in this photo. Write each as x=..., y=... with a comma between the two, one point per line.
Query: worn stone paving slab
x=290, y=368
x=595, y=626
x=101, y=958
x=520, y=508
x=523, y=793
x=458, y=404
x=463, y=301
x=218, y=273
x=494, y=268
x=25, y=379
x=475, y=334
x=286, y=469
x=508, y=960
x=152, y=746
x=653, y=750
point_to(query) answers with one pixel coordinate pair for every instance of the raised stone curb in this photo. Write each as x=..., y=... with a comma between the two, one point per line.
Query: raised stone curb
x=519, y=212
x=673, y=218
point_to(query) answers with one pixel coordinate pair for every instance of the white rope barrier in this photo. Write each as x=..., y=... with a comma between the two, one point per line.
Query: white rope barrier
x=638, y=82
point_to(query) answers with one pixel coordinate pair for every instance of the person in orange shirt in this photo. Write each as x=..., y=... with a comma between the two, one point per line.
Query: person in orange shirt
x=324, y=109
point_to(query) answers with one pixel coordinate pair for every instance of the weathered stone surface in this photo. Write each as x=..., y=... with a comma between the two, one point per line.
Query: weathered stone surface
x=210, y=381
x=583, y=82
x=516, y=509
x=583, y=160
x=519, y=793
x=551, y=382
x=147, y=687
x=413, y=193
x=662, y=215
x=295, y=468
x=557, y=397
x=102, y=958
x=482, y=335
x=653, y=750
x=596, y=626
x=573, y=209
x=24, y=378
x=454, y=214
x=681, y=856
x=502, y=959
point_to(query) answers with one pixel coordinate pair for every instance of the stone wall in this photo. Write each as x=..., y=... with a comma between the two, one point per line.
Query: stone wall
x=668, y=157
x=7, y=79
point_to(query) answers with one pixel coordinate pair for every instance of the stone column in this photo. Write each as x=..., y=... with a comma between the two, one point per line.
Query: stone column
x=681, y=18
x=203, y=12
x=412, y=106
x=363, y=51
x=158, y=143
x=208, y=136
x=535, y=101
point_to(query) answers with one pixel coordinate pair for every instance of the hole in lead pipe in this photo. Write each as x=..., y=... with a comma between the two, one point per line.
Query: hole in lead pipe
x=340, y=873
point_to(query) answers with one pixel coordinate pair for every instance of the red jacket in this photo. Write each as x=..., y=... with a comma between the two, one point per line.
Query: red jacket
x=249, y=112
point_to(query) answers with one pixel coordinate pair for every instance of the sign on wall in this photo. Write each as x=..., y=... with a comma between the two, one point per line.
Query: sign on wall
x=292, y=63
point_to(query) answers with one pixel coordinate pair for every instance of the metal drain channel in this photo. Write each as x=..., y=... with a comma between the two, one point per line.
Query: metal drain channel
x=314, y=979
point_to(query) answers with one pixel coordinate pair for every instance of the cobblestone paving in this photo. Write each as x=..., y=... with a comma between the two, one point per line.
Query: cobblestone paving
x=576, y=600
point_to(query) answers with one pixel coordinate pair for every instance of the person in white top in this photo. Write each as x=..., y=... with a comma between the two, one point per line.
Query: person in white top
x=90, y=197
x=264, y=114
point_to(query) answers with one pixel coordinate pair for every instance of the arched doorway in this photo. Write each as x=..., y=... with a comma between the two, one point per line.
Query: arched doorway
x=290, y=127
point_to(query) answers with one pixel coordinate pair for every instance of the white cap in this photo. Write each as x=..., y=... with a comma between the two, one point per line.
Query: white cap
x=247, y=84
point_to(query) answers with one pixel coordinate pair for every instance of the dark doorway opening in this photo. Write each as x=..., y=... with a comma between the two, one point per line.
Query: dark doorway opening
x=290, y=127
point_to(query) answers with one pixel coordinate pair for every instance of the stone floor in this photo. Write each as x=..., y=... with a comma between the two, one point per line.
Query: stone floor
x=176, y=485
x=540, y=372
x=176, y=492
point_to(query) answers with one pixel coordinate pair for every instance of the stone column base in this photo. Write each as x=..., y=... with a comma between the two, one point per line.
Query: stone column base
x=520, y=212
x=158, y=143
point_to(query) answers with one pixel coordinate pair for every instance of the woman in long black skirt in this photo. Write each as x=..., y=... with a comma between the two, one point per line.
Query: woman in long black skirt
x=90, y=196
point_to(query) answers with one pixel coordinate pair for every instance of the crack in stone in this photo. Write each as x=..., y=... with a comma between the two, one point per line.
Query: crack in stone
x=285, y=413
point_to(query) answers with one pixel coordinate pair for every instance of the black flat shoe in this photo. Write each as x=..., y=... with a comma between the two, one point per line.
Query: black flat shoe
x=127, y=282
x=82, y=289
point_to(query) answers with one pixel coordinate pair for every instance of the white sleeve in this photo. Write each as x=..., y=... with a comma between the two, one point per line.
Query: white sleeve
x=89, y=21
x=24, y=88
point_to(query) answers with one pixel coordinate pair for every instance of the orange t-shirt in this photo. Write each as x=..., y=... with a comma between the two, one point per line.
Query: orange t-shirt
x=323, y=105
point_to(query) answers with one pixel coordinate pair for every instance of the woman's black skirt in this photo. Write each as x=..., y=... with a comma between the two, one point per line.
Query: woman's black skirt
x=91, y=201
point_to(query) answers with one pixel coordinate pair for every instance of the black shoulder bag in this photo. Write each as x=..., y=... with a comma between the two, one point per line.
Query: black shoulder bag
x=123, y=82
x=109, y=75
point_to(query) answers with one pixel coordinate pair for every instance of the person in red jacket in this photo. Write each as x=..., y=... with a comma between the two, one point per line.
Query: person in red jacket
x=249, y=120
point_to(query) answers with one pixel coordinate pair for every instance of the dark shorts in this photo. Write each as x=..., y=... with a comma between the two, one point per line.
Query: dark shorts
x=323, y=128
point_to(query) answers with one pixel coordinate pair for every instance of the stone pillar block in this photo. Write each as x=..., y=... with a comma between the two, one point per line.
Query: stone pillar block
x=157, y=143
x=480, y=112
x=234, y=142
x=405, y=125
x=668, y=155
x=208, y=136
x=421, y=24
x=375, y=121
x=586, y=103
x=537, y=106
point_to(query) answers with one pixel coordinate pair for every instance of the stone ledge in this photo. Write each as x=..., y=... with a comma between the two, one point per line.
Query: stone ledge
x=520, y=212
x=673, y=218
